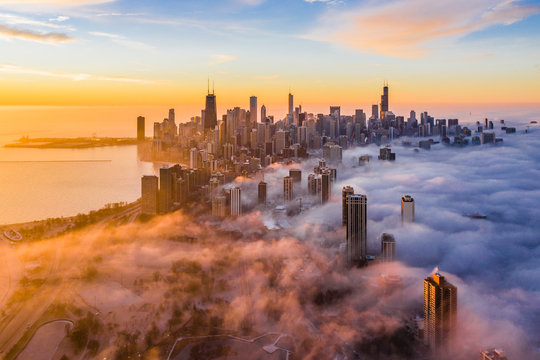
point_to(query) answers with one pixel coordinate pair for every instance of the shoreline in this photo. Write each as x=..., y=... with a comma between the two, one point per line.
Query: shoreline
x=71, y=143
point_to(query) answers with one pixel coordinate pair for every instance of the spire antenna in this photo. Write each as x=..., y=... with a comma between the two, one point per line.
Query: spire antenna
x=208, y=84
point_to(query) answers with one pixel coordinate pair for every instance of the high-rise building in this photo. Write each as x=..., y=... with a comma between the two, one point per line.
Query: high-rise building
x=347, y=190
x=287, y=188
x=375, y=111
x=407, y=208
x=140, y=128
x=219, y=206
x=210, y=112
x=193, y=158
x=149, y=194
x=253, y=110
x=326, y=187
x=236, y=201
x=262, y=192
x=440, y=311
x=291, y=105
x=166, y=185
x=386, y=154
x=388, y=248
x=263, y=114
x=356, y=229
x=493, y=354
x=384, y=101
x=296, y=175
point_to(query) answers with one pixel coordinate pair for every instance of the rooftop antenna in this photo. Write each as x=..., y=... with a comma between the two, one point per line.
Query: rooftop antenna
x=213, y=91
x=208, y=84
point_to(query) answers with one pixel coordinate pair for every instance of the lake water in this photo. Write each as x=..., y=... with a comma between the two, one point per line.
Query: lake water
x=42, y=183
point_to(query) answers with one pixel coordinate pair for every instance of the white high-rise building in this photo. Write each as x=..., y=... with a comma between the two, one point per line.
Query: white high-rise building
x=236, y=201
x=193, y=154
x=407, y=209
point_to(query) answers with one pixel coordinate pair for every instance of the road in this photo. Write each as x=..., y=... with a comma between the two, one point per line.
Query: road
x=23, y=315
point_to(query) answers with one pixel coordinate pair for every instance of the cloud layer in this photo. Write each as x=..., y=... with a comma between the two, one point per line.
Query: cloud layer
x=405, y=28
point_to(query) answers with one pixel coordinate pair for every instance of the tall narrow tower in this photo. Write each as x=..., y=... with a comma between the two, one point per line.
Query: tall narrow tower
x=440, y=311
x=384, y=101
x=356, y=229
x=287, y=188
x=291, y=105
x=236, y=201
x=210, y=111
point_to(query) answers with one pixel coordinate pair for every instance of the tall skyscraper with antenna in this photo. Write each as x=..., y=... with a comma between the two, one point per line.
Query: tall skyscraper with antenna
x=210, y=111
x=384, y=101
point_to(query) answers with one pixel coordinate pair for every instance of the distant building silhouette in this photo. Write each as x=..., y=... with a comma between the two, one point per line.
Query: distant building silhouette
x=149, y=194
x=262, y=192
x=210, y=112
x=287, y=188
x=166, y=178
x=140, y=128
x=253, y=110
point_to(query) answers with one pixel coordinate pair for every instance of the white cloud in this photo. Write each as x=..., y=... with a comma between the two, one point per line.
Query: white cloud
x=404, y=28
x=53, y=3
x=6, y=68
x=122, y=40
x=60, y=18
x=221, y=58
x=11, y=19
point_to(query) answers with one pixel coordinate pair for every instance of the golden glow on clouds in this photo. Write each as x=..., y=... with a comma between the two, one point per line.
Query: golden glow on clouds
x=50, y=37
x=402, y=28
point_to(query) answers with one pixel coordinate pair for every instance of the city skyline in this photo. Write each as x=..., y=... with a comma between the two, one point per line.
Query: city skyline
x=119, y=52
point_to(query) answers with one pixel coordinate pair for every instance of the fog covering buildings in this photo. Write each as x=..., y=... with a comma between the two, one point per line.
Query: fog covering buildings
x=439, y=235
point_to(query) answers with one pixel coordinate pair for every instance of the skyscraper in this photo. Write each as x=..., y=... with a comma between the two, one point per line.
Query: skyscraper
x=407, y=208
x=165, y=189
x=193, y=157
x=149, y=194
x=287, y=188
x=262, y=192
x=356, y=229
x=236, y=201
x=291, y=105
x=253, y=110
x=384, y=101
x=326, y=187
x=210, y=111
x=388, y=248
x=347, y=190
x=263, y=113
x=440, y=311
x=375, y=111
x=140, y=128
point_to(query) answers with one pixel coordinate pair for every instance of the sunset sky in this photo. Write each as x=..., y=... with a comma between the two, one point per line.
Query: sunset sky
x=98, y=52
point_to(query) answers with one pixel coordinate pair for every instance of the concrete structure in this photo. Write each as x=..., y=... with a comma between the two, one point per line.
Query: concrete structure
x=219, y=206
x=253, y=110
x=262, y=192
x=166, y=187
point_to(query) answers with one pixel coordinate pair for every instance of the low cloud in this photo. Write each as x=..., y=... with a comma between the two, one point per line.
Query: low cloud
x=51, y=38
x=405, y=28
